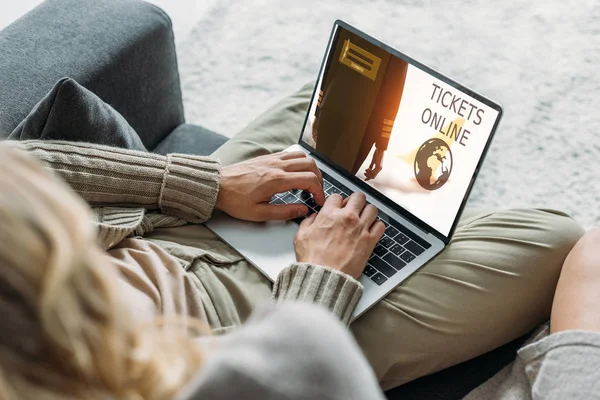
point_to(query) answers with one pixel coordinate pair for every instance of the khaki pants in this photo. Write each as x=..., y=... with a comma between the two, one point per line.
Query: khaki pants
x=493, y=283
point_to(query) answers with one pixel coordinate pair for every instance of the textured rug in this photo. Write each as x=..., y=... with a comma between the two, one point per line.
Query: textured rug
x=539, y=59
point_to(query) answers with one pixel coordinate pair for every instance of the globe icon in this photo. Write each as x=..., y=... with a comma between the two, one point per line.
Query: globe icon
x=433, y=164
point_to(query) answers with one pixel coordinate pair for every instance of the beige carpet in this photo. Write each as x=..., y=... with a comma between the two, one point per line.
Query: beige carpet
x=540, y=59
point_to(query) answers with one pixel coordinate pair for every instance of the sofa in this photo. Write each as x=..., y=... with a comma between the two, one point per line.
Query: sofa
x=121, y=50
x=124, y=52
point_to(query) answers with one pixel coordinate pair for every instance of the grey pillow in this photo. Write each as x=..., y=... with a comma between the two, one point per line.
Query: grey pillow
x=71, y=112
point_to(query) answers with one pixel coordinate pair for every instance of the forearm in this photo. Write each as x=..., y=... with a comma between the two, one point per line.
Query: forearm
x=381, y=145
x=332, y=289
x=384, y=135
x=179, y=185
x=319, y=101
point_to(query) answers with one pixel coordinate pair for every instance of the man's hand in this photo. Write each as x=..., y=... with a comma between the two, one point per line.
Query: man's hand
x=341, y=236
x=376, y=165
x=247, y=187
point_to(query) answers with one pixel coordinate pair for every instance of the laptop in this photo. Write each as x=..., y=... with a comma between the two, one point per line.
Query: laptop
x=382, y=123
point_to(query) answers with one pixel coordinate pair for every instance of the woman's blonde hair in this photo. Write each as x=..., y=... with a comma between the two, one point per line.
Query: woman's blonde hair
x=65, y=331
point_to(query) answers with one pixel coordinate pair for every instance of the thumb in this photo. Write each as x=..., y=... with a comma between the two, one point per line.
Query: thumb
x=281, y=212
x=308, y=221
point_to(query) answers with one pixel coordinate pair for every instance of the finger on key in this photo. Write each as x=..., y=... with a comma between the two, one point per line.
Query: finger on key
x=289, y=155
x=304, y=181
x=305, y=164
x=280, y=212
x=357, y=202
x=368, y=215
x=308, y=221
x=376, y=231
x=333, y=202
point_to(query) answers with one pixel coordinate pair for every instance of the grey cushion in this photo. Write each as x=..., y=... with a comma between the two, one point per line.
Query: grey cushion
x=71, y=112
x=121, y=50
x=191, y=139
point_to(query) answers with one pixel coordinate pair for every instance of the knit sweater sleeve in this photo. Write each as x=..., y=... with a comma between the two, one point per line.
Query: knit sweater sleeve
x=183, y=186
x=329, y=288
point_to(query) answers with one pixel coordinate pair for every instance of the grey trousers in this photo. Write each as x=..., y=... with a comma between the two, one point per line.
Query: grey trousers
x=494, y=282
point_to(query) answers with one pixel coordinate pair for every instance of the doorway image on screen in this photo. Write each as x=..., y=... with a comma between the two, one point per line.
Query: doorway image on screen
x=408, y=134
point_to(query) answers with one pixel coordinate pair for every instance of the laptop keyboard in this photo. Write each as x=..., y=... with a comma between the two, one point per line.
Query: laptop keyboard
x=394, y=251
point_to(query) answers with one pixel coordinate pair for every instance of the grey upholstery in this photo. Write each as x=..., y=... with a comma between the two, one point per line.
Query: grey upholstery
x=185, y=140
x=121, y=50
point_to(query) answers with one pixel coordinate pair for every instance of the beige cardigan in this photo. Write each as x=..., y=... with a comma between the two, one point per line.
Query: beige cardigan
x=133, y=192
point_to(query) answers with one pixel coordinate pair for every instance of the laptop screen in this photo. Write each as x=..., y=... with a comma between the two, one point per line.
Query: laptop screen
x=395, y=125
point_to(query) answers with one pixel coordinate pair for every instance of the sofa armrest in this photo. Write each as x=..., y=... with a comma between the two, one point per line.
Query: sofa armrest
x=122, y=50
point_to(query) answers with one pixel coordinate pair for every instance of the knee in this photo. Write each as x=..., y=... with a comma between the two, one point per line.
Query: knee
x=531, y=242
x=591, y=237
x=558, y=230
x=543, y=236
x=576, y=298
x=583, y=260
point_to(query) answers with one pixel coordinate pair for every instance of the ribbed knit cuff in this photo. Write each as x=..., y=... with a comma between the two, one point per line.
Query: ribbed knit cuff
x=190, y=186
x=182, y=186
x=330, y=288
x=116, y=223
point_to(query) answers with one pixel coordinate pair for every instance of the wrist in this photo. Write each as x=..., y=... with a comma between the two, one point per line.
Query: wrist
x=219, y=200
x=318, y=284
x=189, y=187
x=222, y=189
x=329, y=265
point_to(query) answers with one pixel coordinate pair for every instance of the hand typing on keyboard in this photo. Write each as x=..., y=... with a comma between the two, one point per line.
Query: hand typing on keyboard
x=246, y=188
x=342, y=235
x=397, y=248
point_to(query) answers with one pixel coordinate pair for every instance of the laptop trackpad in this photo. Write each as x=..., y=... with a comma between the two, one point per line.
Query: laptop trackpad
x=269, y=246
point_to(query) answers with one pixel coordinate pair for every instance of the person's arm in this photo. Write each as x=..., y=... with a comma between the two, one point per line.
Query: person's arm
x=389, y=99
x=341, y=237
x=289, y=351
x=179, y=185
x=184, y=186
x=334, y=290
x=386, y=108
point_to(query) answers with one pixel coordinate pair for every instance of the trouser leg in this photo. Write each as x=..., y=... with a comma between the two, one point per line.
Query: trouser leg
x=494, y=282
x=275, y=130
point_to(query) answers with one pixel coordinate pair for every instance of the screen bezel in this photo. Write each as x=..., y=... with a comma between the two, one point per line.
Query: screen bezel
x=368, y=188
